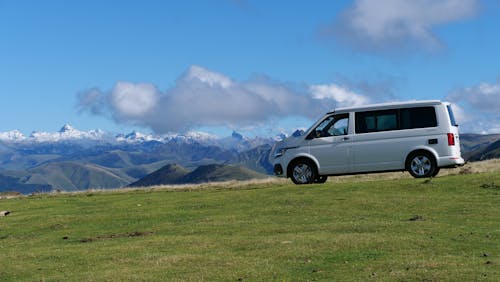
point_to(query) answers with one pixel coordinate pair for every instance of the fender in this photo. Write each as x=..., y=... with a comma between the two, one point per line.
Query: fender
x=303, y=155
x=424, y=148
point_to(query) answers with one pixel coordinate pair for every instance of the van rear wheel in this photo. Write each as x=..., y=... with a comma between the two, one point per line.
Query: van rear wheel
x=436, y=171
x=303, y=171
x=421, y=164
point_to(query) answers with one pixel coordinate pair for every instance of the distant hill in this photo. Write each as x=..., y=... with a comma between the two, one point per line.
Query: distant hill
x=492, y=151
x=169, y=174
x=217, y=172
x=176, y=174
x=477, y=147
x=71, y=176
x=10, y=184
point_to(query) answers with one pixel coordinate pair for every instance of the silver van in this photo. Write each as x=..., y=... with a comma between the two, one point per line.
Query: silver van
x=419, y=136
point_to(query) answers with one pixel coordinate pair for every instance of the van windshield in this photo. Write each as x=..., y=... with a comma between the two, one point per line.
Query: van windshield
x=452, y=116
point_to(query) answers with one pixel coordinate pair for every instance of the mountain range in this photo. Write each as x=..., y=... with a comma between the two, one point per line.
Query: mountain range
x=71, y=160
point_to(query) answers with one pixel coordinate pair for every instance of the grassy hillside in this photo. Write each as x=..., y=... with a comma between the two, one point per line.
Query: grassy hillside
x=76, y=176
x=446, y=229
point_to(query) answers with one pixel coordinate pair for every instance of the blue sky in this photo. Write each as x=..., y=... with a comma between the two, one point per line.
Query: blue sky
x=254, y=66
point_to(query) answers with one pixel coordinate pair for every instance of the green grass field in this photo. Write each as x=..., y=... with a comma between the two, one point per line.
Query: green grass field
x=447, y=228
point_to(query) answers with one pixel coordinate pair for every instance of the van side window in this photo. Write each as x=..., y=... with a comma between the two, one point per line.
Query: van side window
x=332, y=126
x=406, y=118
x=375, y=121
x=418, y=117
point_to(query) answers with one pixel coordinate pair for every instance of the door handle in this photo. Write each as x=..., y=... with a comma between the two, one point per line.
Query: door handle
x=345, y=138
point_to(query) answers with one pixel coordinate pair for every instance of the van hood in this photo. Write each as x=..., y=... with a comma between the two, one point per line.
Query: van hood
x=290, y=142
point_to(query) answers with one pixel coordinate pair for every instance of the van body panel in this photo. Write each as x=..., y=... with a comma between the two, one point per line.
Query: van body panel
x=333, y=153
x=387, y=150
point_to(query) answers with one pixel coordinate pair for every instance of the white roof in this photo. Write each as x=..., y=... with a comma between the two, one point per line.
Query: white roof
x=388, y=105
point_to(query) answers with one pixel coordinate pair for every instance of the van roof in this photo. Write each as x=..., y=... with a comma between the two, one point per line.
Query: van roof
x=387, y=106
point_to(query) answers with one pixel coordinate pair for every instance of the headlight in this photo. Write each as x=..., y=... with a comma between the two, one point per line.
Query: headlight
x=281, y=151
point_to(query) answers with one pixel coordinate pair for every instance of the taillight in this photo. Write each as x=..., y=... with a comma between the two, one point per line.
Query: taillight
x=451, y=139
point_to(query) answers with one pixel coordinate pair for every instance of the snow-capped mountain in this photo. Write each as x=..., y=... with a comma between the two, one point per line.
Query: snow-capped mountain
x=280, y=136
x=12, y=136
x=69, y=134
x=136, y=137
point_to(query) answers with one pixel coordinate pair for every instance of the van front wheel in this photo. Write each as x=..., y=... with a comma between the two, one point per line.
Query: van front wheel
x=303, y=172
x=421, y=164
x=321, y=179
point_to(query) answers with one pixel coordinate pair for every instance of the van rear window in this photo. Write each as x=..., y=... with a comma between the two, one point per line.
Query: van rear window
x=418, y=117
x=452, y=116
x=396, y=119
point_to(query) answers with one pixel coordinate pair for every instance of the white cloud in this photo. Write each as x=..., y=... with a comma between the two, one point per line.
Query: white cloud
x=484, y=97
x=133, y=100
x=383, y=25
x=91, y=100
x=343, y=96
x=461, y=116
x=204, y=98
x=209, y=77
x=201, y=97
x=478, y=107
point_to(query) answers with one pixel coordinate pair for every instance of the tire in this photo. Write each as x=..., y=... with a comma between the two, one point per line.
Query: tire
x=436, y=171
x=303, y=171
x=321, y=179
x=421, y=165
